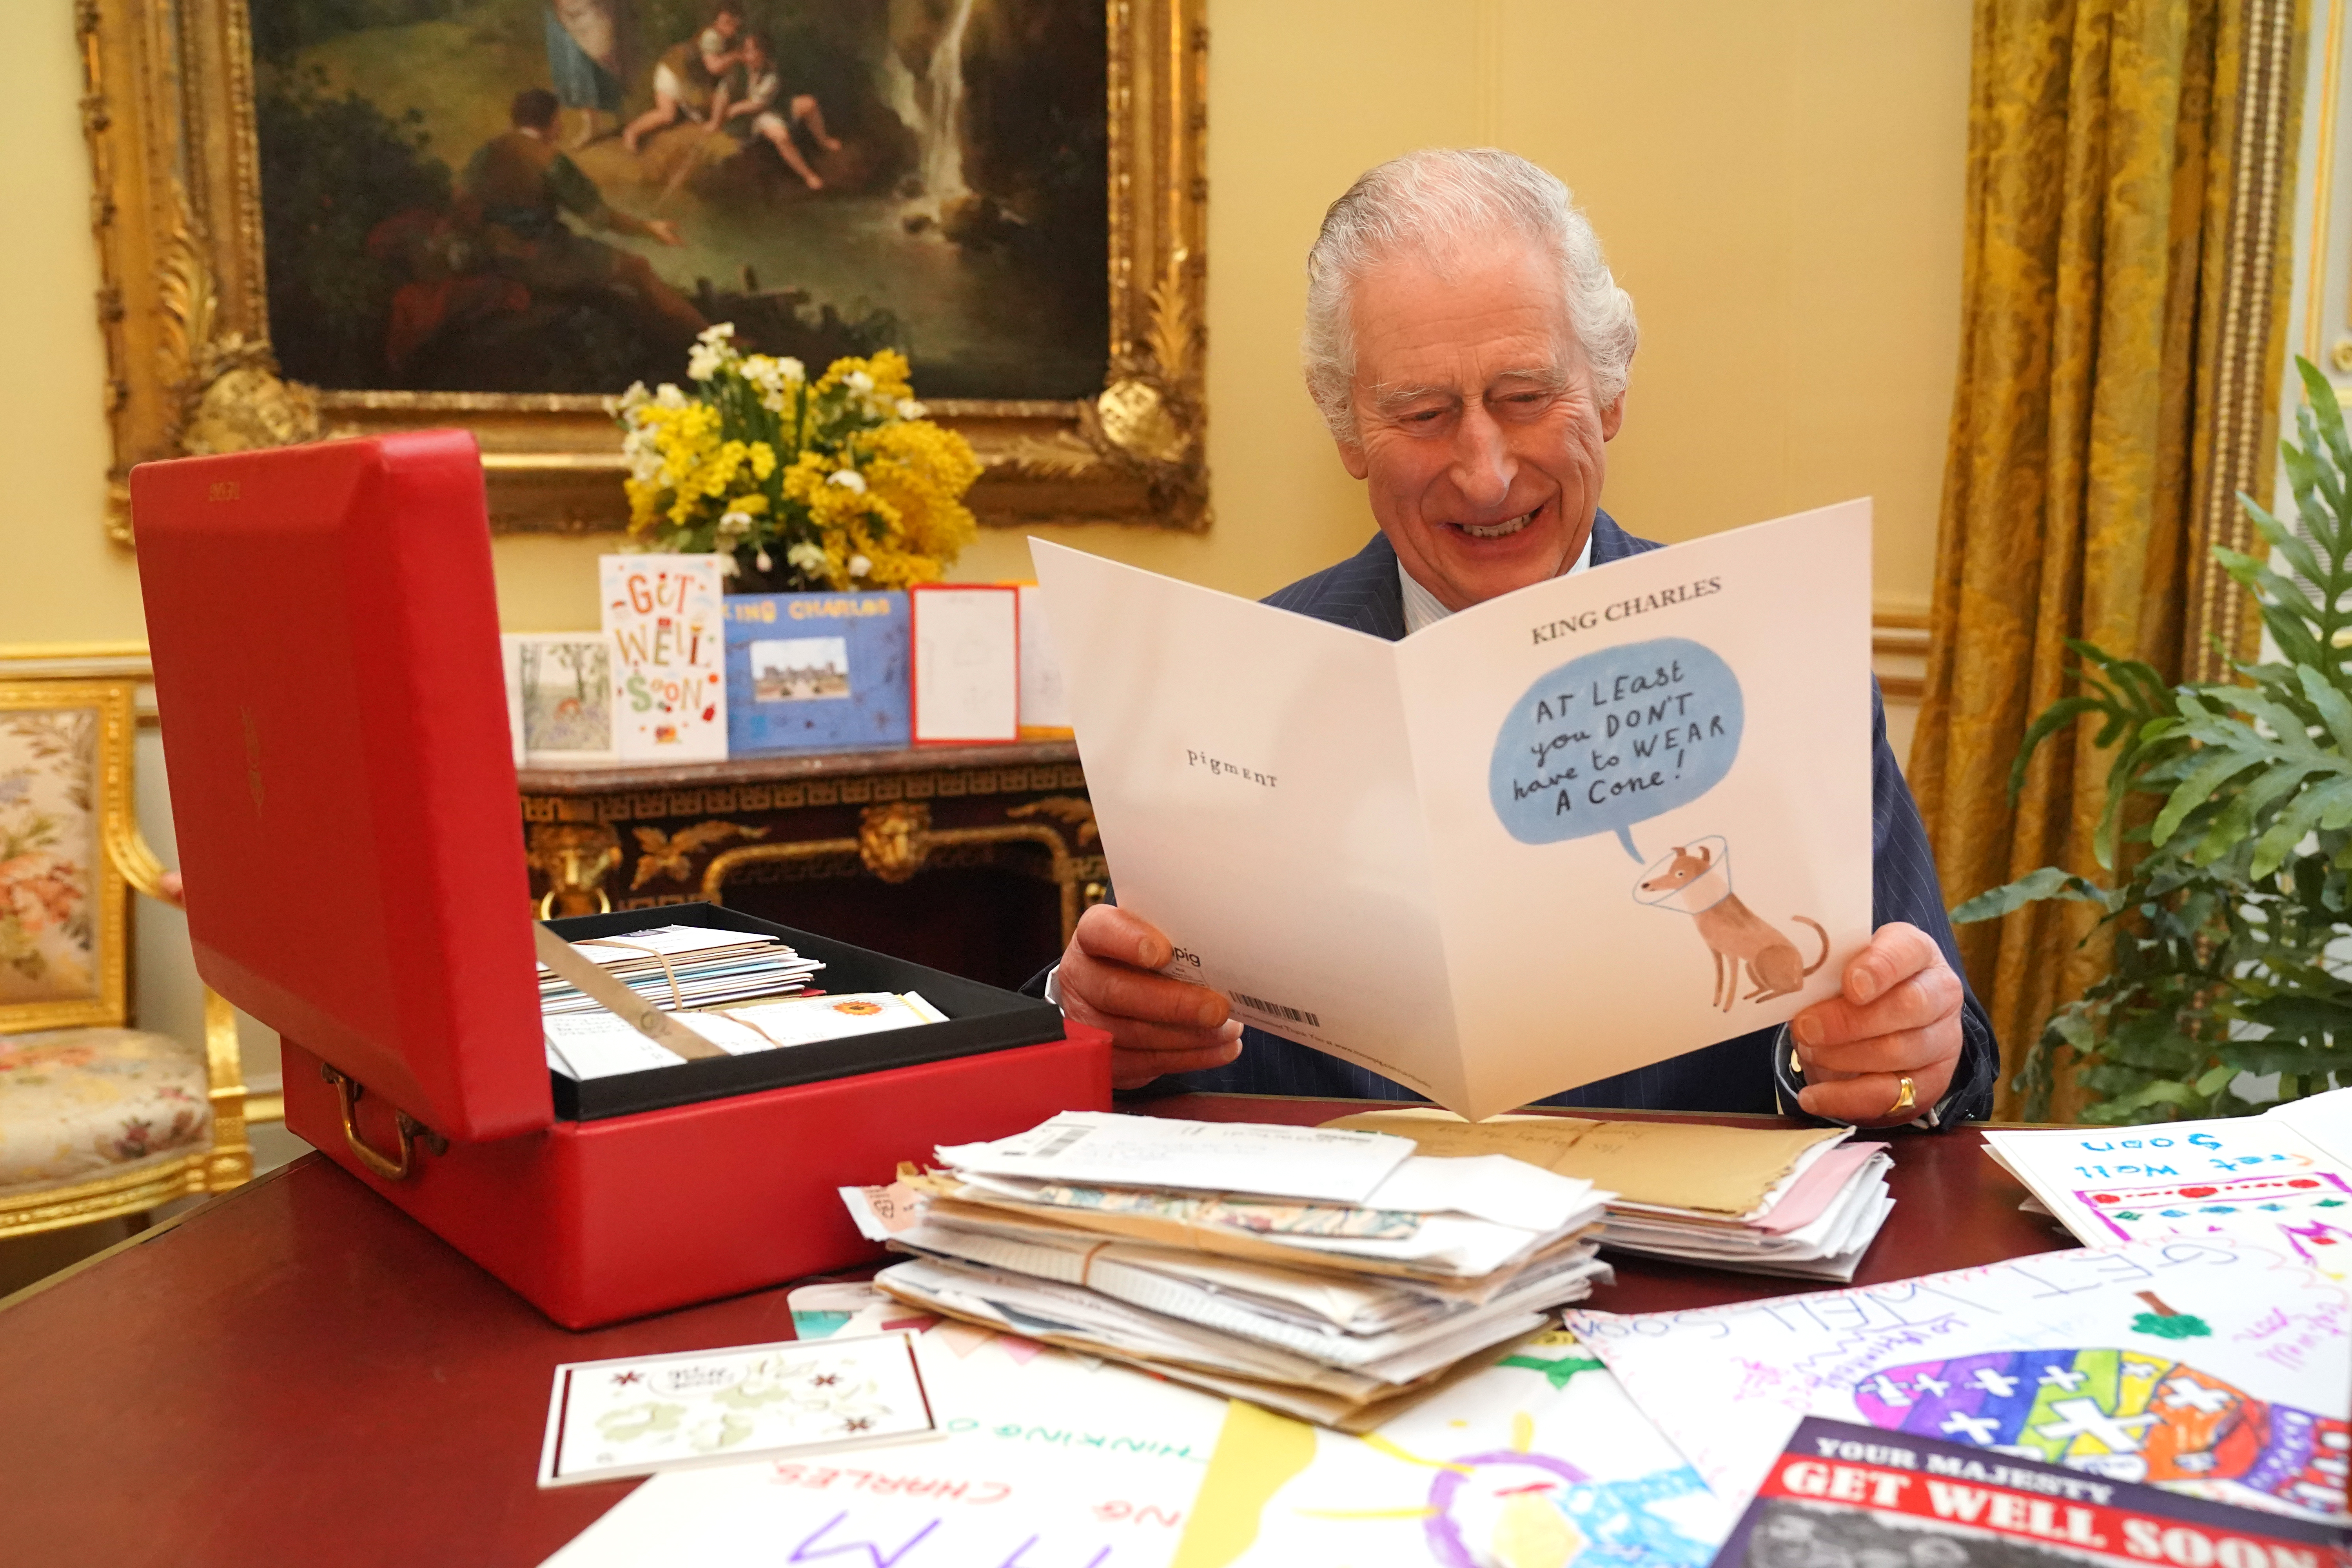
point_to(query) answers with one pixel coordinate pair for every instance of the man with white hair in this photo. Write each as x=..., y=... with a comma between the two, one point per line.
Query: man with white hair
x=1469, y=349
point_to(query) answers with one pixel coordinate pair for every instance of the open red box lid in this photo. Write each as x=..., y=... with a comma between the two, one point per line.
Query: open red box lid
x=324, y=626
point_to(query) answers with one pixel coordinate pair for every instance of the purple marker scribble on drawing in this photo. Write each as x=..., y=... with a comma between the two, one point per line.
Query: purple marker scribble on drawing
x=874, y=1555
x=1445, y=1543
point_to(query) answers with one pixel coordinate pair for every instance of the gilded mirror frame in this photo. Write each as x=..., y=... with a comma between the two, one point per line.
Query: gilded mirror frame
x=168, y=111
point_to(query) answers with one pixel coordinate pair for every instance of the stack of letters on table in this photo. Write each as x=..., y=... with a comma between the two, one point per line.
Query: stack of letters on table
x=737, y=991
x=675, y=967
x=1334, y=1276
x=1806, y=1201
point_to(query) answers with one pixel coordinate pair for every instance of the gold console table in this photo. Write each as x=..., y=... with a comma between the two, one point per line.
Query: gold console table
x=764, y=833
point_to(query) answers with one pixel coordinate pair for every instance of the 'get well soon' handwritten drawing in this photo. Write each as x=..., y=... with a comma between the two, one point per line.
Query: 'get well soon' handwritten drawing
x=669, y=647
x=1585, y=826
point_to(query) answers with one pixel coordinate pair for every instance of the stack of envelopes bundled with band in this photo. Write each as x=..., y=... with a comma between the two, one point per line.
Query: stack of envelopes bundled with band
x=677, y=966
x=1805, y=1201
x=1334, y=1276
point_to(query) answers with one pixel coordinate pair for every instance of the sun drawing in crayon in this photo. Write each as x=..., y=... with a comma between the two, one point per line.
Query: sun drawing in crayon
x=1524, y=1509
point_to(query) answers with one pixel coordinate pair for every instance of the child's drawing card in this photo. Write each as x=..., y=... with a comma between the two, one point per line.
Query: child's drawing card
x=1539, y=1458
x=510, y=665
x=2278, y=1179
x=1044, y=701
x=2204, y=1365
x=967, y=656
x=1048, y=1460
x=816, y=671
x=560, y=698
x=631, y=1417
x=669, y=656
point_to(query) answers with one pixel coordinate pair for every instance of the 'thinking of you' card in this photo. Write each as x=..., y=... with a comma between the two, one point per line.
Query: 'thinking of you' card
x=1587, y=825
x=631, y=1417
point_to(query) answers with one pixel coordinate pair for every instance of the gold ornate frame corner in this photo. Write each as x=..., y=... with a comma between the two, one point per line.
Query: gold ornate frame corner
x=168, y=111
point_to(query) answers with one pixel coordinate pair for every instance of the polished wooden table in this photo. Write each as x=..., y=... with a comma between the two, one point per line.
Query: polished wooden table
x=298, y=1373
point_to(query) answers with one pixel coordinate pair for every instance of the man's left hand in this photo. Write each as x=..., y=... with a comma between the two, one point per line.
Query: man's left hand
x=1899, y=1016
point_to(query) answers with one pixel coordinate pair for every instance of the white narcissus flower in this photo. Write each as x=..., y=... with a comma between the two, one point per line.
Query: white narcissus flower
x=644, y=454
x=728, y=566
x=636, y=397
x=858, y=381
x=764, y=563
x=847, y=478
x=809, y=558
x=735, y=525
x=907, y=408
x=859, y=566
x=669, y=397
x=792, y=370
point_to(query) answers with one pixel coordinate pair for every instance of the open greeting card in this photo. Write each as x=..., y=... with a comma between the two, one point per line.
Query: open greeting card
x=606, y=1419
x=2283, y=1179
x=1585, y=826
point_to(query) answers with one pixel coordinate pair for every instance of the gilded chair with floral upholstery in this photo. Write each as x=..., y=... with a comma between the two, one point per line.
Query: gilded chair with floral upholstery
x=97, y=1119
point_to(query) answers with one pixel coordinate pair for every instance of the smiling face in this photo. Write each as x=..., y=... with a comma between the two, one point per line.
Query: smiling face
x=1476, y=431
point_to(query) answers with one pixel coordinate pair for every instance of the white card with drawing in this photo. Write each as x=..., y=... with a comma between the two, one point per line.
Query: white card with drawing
x=1049, y=1461
x=2283, y=1179
x=669, y=655
x=632, y=1417
x=967, y=664
x=2204, y=1365
x=1601, y=821
x=1045, y=702
x=560, y=698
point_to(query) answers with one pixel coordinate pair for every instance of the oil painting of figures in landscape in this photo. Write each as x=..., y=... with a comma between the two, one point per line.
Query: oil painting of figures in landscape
x=555, y=196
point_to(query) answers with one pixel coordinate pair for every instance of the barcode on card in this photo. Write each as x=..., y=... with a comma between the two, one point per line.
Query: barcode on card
x=1058, y=1142
x=1276, y=1010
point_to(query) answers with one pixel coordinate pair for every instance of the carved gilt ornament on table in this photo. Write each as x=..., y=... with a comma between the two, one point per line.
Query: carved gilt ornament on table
x=176, y=210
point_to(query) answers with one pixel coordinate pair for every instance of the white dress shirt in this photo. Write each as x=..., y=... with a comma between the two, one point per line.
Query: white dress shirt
x=1422, y=608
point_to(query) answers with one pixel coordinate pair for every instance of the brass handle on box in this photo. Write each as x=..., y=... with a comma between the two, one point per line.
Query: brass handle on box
x=406, y=1128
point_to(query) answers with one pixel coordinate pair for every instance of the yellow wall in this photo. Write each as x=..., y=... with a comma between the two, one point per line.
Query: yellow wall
x=1778, y=184
x=60, y=579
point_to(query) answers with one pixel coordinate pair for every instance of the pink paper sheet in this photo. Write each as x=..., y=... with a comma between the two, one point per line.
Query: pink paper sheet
x=1817, y=1188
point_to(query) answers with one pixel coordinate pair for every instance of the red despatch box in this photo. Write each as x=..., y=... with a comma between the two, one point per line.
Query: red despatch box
x=324, y=630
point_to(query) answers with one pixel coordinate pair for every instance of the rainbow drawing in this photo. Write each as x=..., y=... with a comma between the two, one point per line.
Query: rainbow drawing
x=2118, y=1412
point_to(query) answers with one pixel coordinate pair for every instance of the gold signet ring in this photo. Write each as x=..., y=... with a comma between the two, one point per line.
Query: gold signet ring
x=1906, y=1099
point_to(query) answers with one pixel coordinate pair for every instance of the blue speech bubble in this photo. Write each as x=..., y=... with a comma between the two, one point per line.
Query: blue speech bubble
x=1614, y=737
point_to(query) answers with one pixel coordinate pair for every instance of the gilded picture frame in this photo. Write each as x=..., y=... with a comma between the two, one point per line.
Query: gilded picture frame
x=168, y=111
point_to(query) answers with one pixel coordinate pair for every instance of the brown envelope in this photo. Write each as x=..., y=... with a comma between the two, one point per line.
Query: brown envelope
x=1722, y=1171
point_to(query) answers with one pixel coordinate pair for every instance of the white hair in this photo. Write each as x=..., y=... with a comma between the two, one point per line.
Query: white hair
x=1441, y=197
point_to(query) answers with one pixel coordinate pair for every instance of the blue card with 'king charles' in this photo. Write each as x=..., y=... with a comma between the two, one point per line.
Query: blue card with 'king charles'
x=813, y=672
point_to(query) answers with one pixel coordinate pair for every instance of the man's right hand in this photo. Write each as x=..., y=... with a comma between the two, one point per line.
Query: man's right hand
x=1156, y=1025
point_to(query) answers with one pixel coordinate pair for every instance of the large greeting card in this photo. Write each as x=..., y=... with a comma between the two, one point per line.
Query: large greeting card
x=1585, y=826
x=669, y=656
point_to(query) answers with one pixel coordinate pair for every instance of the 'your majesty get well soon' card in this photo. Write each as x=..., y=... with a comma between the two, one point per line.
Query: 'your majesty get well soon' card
x=1588, y=825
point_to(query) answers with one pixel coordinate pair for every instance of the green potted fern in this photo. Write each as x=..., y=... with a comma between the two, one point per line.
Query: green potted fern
x=2238, y=883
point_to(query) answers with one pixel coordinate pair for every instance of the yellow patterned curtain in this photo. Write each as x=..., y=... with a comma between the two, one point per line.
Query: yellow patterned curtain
x=2106, y=384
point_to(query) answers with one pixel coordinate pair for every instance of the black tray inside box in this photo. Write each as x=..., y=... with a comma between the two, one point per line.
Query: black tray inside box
x=981, y=1019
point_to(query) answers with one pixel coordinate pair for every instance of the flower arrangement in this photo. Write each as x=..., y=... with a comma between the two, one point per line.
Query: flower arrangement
x=839, y=482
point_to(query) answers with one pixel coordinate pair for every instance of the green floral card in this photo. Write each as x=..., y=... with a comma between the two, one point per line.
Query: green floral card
x=607, y=1419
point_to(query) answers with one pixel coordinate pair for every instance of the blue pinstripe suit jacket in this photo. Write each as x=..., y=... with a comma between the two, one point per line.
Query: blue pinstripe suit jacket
x=1746, y=1073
